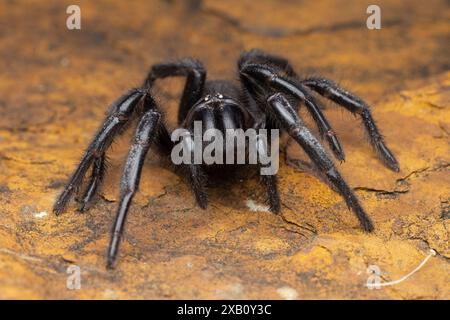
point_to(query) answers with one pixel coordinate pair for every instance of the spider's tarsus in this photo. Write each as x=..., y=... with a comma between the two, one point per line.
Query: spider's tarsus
x=274, y=201
x=203, y=204
x=387, y=156
x=364, y=220
x=84, y=206
x=275, y=209
x=61, y=202
x=110, y=263
x=352, y=202
x=201, y=197
x=58, y=210
x=273, y=197
x=85, y=201
x=367, y=225
x=111, y=257
x=335, y=146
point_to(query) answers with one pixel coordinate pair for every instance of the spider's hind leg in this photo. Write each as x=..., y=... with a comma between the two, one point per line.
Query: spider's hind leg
x=355, y=105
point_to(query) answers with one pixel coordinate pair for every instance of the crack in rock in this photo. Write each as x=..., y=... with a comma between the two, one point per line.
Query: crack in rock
x=403, y=184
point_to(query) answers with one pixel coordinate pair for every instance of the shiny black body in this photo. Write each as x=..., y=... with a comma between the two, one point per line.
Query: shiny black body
x=268, y=96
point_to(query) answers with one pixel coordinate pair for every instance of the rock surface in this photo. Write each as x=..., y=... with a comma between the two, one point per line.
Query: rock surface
x=55, y=85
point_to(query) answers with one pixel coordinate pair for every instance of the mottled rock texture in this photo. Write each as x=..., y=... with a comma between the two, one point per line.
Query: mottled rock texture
x=55, y=86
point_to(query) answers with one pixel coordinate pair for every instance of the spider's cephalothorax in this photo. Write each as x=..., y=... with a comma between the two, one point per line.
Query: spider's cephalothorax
x=269, y=97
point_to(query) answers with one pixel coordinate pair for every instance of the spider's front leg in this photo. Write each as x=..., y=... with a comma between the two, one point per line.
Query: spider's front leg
x=269, y=180
x=355, y=105
x=291, y=122
x=253, y=75
x=145, y=133
x=120, y=113
x=195, y=74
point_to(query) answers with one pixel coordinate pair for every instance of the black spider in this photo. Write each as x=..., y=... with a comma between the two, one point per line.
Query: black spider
x=269, y=97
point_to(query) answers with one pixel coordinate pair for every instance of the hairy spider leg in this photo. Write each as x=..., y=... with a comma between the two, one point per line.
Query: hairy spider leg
x=196, y=175
x=100, y=164
x=286, y=114
x=292, y=123
x=302, y=93
x=357, y=106
x=260, y=57
x=195, y=74
x=119, y=115
x=269, y=181
x=97, y=175
x=144, y=136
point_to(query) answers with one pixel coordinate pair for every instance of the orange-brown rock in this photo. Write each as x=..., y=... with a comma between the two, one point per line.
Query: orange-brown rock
x=55, y=85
